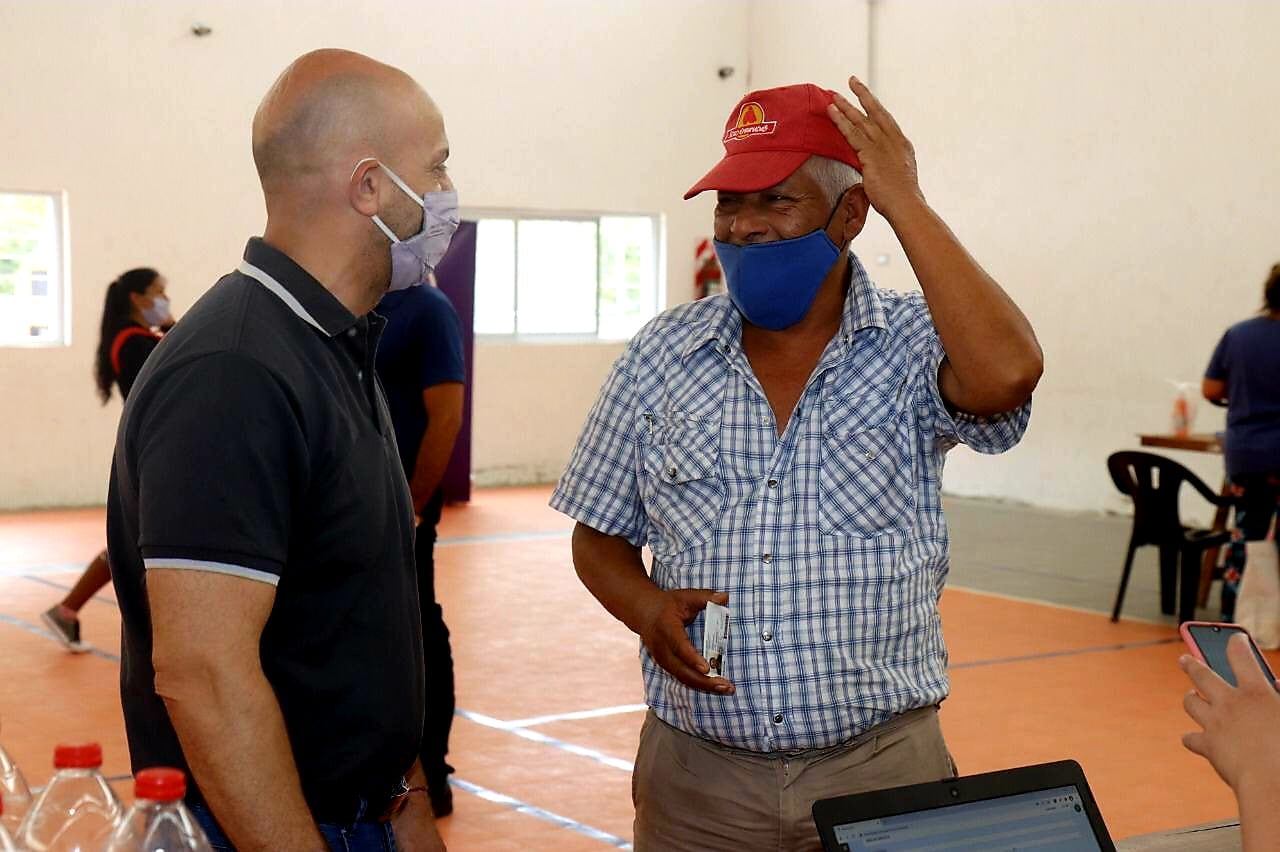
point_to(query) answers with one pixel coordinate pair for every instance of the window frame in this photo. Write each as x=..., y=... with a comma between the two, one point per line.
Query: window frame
x=516, y=215
x=62, y=230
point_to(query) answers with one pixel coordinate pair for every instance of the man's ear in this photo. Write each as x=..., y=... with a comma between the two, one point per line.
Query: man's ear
x=851, y=216
x=362, y=189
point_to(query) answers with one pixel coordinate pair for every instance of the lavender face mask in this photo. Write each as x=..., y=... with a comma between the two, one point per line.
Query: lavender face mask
x=414, y=259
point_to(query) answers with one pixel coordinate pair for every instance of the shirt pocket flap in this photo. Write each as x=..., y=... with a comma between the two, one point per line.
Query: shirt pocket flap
x=682, y=462
x=843, y=417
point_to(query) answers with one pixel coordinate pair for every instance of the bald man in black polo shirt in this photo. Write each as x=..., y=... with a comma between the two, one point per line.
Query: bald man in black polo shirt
x=259, y=523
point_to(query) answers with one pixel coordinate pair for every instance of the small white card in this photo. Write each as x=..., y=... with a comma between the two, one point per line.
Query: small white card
x=715, y=638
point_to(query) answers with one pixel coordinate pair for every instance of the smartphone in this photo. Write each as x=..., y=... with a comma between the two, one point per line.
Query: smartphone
x=1208, y=643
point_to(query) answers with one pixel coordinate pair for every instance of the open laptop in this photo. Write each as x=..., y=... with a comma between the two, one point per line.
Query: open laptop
x=1047, y=807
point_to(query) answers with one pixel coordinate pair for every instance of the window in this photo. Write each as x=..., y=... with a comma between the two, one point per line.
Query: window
x=582, y=276
x=33, y=269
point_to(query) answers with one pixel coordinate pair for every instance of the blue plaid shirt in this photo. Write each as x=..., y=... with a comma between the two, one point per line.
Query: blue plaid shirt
x=830, y=539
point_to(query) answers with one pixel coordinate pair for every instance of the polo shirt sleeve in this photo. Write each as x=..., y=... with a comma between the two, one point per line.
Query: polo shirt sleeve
x=220, y=456
x=1218, y=364
x=989, y=435
x=600, y=488
x=440, y=333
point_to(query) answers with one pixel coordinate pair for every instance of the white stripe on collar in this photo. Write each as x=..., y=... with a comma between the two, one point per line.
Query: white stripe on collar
x=281, y=293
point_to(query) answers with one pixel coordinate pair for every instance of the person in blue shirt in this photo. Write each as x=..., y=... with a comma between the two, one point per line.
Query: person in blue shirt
x=420, y=363
x=1244, y=373
x=779, y=449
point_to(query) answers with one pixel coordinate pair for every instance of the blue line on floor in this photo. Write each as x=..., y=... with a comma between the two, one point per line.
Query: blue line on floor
x=499, y=538
x=42, y=581
x=1071, y=652
x=529, y=810
x=40, y=631
x=538, y=737
x=16, y=569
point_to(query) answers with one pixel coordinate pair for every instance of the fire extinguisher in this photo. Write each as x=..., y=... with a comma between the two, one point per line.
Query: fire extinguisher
x=708, y=280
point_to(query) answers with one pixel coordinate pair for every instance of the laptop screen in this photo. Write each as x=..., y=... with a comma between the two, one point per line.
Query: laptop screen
x=1045, y=820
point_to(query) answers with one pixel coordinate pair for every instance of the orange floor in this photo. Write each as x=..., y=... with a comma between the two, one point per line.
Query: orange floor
x=549, y=688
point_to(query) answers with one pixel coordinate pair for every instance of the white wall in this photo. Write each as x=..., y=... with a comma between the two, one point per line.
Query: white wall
x=1111, y=163
x=807, y=41
x=1114, y=165
x=549, y=104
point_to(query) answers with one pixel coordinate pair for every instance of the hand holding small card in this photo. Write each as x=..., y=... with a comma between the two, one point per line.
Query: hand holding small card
x=715, y=637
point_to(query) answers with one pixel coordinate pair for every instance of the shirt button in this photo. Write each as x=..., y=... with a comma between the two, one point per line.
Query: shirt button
x=768, y=557
x=773, y=483
x=777, y=718
x=351, y=332
x=871, y=456
x=766, y=636
x=764, y=421
x=671, y=473
x=360, y=374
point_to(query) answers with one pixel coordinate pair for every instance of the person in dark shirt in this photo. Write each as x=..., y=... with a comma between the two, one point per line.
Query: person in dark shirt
x=259, y=522
x=135, y=315
x=420, y=363
x=1244, y=373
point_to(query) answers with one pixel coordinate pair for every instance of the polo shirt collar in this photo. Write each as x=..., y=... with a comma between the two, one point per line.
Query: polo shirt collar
x=303, y=294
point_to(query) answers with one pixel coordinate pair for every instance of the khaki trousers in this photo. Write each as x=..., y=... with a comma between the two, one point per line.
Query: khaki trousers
x=692, y=795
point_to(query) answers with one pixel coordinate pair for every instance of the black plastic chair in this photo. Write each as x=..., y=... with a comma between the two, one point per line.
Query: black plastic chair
x=1154, y=482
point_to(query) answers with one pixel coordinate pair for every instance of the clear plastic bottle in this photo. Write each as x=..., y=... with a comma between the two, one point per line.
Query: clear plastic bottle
x=158, y=820
x=6, y=842
x=14, y=793
x=78, y=811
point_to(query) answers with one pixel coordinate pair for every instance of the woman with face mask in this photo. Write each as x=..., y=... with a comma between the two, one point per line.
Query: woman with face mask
x=135, y=316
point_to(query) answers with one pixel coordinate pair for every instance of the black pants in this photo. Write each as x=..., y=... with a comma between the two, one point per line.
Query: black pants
x=438, y=659
x=1258, y=500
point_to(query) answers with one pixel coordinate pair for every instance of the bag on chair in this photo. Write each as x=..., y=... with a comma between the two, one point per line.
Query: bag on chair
x=1258, y=605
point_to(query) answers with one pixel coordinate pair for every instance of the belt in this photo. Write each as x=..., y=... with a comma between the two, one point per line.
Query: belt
x=348, y=808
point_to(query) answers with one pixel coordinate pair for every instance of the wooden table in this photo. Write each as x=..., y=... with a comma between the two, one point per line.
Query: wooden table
x=1198, y=442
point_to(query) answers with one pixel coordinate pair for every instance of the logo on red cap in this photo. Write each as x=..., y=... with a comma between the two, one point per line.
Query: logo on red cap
x=750, y=123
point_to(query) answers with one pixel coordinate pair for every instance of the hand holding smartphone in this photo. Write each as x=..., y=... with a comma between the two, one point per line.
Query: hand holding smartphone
x=1208, y=643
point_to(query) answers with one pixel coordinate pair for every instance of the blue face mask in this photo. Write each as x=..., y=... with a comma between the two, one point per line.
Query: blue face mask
x=774, y=284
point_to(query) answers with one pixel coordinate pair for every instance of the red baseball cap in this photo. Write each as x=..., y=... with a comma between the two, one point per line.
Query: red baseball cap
x=770, y=133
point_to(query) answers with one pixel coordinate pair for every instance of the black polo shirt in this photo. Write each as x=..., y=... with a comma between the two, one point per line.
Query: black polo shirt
x=257, y=442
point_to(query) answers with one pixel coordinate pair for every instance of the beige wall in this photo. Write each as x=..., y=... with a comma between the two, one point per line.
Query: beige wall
x=1114, y=165
x=550, y=104
x=1111, y=163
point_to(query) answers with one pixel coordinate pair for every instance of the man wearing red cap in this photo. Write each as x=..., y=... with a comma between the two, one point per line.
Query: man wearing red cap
x=780, y=449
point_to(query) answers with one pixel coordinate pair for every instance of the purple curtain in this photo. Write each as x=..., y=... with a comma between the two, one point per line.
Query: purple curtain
x=456, y=276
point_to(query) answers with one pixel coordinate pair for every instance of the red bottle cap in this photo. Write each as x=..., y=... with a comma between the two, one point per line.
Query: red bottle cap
x=82, y=756
x=160, y=784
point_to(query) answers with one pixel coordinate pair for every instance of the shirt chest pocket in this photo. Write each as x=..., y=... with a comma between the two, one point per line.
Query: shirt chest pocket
x=866, y=482
x=680, y=480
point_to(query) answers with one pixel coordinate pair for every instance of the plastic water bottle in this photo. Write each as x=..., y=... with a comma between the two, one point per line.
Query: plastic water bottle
x=6, y=842
x=14, y=793
x=78, y=811
x=158, y=820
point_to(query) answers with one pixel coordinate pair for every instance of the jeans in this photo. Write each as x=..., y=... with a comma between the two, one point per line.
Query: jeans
x=351, y=837
x=1257, y=495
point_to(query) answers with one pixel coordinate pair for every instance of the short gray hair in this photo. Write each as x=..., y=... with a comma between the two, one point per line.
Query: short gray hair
x=833, y=176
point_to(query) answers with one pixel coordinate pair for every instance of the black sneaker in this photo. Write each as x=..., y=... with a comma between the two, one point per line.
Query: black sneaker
x=65, y=630
x=441, y=796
